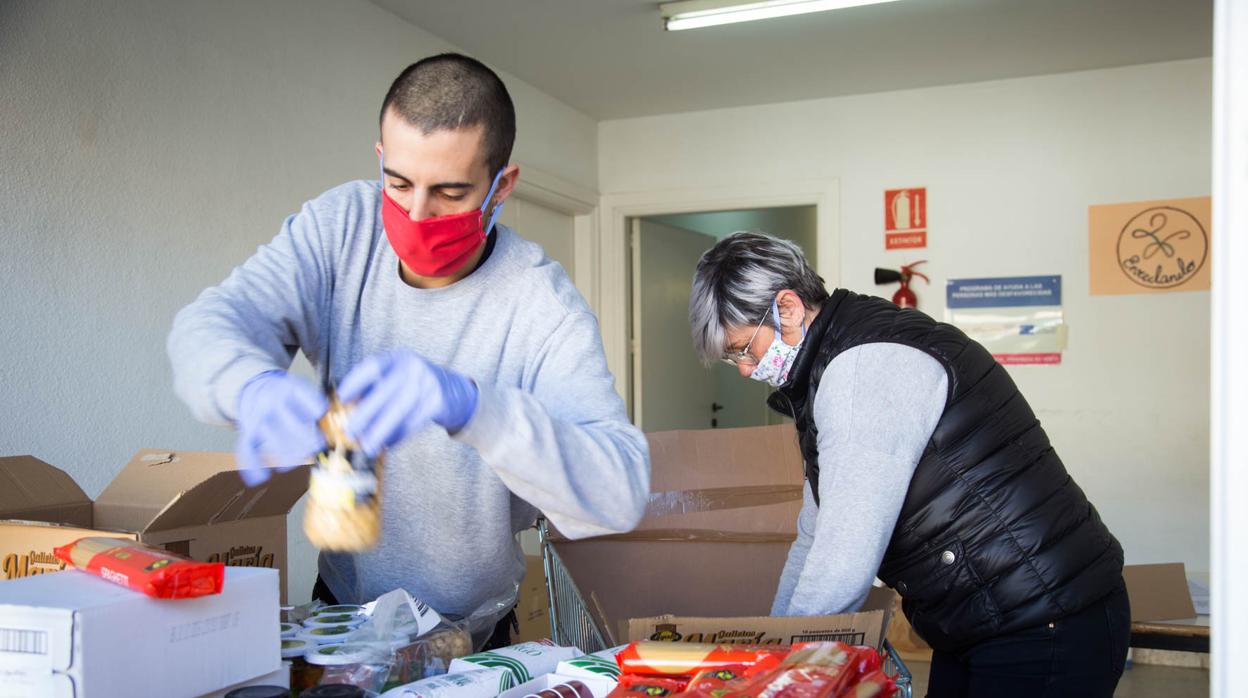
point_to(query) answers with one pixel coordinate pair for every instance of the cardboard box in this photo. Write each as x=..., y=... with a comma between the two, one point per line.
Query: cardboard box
x=705, y=562
x=74, y=635
x=191, y=503
x=1158, y=592
x=533, y=606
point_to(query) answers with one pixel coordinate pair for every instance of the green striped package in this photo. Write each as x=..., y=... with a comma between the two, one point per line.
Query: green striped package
x=599, y=665
x=524, y=661
x=484, y=683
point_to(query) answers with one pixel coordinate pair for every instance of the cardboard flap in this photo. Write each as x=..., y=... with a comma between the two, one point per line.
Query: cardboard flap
x=702, y=479
x=161, y=489
x=34, y=490
x=1158, y=592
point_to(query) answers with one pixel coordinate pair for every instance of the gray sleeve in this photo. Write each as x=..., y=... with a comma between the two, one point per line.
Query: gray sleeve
x=797, y=553
x=876, y=409
x=254, y=321
x=565, y=444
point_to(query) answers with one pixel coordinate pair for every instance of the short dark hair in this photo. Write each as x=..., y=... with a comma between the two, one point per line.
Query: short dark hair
x=451, y=91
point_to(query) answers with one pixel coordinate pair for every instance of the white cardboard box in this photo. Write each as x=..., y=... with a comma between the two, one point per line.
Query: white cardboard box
x=281, y=677
x=72, y=635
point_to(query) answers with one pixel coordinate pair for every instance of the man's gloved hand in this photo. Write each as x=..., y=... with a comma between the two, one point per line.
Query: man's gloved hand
x=401, y=393
x=277, y=415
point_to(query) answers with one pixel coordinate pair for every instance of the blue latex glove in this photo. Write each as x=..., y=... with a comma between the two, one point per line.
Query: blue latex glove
x=401, y=393
x=277, y=415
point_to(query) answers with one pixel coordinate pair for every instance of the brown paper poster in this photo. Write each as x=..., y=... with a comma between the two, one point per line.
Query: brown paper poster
x=1149, y=246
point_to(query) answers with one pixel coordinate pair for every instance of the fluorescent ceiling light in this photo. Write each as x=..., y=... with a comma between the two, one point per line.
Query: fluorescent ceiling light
x=694, y=14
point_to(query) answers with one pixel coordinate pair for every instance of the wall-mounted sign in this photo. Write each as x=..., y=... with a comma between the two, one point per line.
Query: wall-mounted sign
x=1019, y=319
x=905, y=218
x=1149, y=247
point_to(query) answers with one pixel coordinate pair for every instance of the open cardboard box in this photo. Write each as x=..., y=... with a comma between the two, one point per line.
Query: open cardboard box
x=705, y=562
x=191, y=503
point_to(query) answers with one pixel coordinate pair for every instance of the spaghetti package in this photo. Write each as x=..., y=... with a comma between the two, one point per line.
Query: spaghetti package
x=646, y=687
x=874, y=685
x=649, y=658
x=715, y=683
x=812, y=670
x=152, y=571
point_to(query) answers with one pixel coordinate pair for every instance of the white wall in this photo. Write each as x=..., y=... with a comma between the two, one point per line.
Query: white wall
x=148, y=147
x=1011, y=167
x=796, y=223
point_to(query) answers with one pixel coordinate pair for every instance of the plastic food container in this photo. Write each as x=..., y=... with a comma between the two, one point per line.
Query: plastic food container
x=329, y=620
x=329, y=635
x=340, y=608
x=290, y=630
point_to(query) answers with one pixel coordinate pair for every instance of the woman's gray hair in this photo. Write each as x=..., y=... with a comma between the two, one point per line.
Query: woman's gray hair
x=736, y=282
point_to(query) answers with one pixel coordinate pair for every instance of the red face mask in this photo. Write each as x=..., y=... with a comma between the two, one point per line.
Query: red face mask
x=437, y=246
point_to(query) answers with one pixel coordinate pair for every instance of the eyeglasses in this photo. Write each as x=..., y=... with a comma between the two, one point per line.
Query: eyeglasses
x=737, y=358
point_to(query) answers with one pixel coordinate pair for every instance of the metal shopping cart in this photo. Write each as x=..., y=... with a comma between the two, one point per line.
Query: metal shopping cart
x=572, y=624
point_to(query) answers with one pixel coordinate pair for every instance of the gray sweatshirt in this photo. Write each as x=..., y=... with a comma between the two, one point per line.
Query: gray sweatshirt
x=876, y=408
x=550, y=432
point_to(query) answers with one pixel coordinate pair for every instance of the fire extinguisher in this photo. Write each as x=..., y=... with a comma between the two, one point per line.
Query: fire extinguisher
x=904, y=297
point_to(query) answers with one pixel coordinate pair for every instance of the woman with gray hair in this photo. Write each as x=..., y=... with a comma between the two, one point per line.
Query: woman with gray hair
x=926, y=467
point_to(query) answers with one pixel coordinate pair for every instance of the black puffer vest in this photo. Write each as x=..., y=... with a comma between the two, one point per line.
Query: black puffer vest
x=994, y=535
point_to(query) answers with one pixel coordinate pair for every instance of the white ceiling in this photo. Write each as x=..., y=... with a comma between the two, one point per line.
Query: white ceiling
x=612, y=59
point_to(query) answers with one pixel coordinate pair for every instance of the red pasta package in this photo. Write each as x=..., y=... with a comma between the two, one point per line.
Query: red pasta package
x=714, y=683
x=877, y=684
x=646, y=687
x=651, y=658
x=812, y=670
x=152, y=571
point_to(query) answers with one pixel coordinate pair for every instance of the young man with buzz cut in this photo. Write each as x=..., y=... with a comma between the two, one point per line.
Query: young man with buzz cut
x=472, y=360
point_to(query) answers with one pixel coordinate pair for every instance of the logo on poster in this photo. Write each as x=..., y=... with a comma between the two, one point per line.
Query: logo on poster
x=1162, y=247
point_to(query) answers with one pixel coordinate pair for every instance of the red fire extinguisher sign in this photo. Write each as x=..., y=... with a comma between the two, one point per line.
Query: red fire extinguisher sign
x=905, y=218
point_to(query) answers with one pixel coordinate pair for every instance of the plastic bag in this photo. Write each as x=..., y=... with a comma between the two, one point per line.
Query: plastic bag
x=152, y=571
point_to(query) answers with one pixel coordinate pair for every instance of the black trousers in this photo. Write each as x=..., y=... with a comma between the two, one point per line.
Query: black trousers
x=1077, y=657
x=501, y=637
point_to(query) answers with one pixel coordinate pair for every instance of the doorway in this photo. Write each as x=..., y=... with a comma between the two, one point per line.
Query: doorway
x=671, y=389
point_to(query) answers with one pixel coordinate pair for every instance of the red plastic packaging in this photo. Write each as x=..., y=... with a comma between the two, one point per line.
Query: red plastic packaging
x=874, y=685
x=646, y=687
x=812, y=670
x=651, y=658
x=152, y=571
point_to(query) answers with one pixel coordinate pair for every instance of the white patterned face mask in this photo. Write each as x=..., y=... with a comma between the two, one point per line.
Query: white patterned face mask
x=773, y=368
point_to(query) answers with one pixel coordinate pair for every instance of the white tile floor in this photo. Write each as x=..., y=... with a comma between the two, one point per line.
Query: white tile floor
x=1140, y=681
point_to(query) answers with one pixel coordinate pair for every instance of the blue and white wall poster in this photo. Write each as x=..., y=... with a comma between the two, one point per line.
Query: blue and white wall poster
x=1017, y=318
